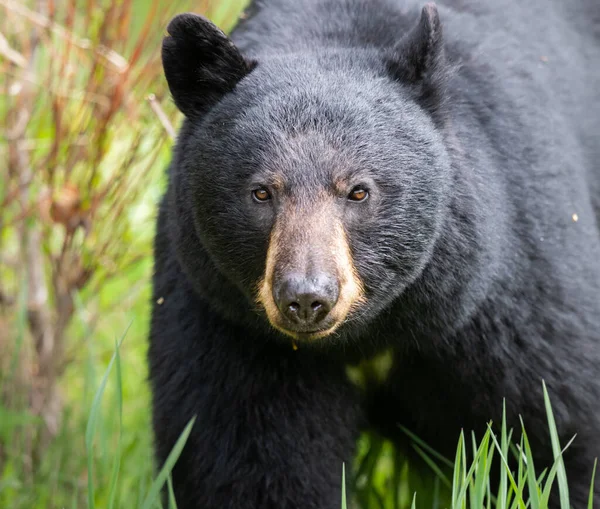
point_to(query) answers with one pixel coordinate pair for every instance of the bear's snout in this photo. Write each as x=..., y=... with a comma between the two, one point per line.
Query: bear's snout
x=310, y=283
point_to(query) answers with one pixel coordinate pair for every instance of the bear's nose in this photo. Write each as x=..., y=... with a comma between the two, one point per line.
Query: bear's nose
x=306, y=301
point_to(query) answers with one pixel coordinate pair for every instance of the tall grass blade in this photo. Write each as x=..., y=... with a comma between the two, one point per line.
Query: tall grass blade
x=521, y=475
x=591, y=499
x=426, y=447
x=154, y=493
x=503, y=488
x=551, y=475
x=431, y=464
x=480, y=477
x=505, y=465
x=467, y=481
x=117, y=461
x=92, y=421
x=561, y=473
x=344, y=486
x=172, y=501
x=458, y=473
x=534, y=495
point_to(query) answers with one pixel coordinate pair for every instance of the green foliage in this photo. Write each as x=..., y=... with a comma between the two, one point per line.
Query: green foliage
x=468, y=476
x=81, y=178
x=467, y=481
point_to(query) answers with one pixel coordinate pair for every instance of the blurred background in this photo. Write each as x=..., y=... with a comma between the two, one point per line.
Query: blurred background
x=86, y=127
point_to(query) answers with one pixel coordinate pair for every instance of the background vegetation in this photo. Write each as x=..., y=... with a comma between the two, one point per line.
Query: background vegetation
x=86, y=127
x=85, y=134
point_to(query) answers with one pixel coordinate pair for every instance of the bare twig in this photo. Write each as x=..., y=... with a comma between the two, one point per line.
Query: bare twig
x=162, y=117
x=11, y=54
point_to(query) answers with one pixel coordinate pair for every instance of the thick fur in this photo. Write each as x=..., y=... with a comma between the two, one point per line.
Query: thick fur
x=478, y=249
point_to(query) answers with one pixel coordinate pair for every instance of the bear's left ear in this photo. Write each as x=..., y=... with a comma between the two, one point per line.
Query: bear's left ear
x=201, y=63
x=419, y=60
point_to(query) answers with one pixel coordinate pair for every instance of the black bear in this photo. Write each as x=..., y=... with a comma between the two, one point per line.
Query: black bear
x=364, y=176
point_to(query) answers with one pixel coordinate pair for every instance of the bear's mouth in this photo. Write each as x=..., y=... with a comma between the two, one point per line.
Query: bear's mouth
x=308, y=335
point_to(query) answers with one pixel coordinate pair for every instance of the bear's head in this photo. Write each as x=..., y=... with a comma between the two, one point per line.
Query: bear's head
x=315, y=181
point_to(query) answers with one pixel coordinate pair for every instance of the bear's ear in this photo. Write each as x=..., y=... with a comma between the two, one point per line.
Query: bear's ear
x=418, y=59
x=201, y=63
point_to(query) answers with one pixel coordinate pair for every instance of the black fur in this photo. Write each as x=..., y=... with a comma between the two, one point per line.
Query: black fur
x=201, y=64
x=479, y=146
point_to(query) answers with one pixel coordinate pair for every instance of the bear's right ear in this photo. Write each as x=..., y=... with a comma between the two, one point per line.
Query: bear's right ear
x=201, y=63
x=419, y=61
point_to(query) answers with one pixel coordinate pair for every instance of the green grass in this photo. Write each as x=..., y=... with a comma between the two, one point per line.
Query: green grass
x=521, y=486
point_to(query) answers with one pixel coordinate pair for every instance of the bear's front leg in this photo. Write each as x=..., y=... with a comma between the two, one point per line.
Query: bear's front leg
x=273, y=425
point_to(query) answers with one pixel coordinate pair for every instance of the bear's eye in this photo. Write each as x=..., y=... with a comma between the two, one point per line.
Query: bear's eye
x=261, y=195
x=358, y=193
